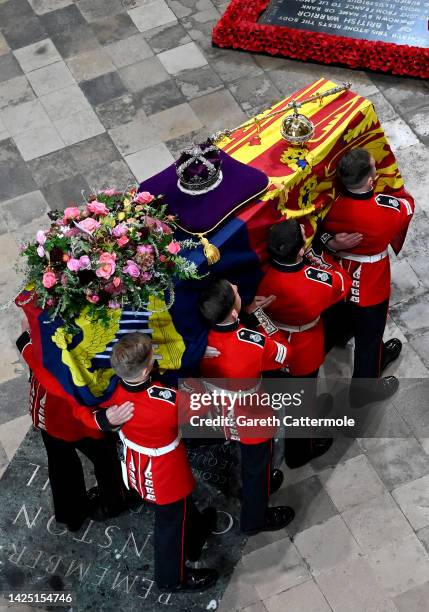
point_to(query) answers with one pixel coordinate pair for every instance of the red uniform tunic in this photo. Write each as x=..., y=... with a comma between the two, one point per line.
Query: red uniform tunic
x=302, y=293
x=383, y=220
x=160, y=479
x=244, y=354
x=50, y=411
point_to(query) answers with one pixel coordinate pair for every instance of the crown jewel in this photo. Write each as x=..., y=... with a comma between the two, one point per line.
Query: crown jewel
x=199, y=168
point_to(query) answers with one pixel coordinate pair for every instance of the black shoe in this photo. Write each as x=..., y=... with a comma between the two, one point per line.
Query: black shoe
x=276, y=518
x=391, y=351
x=382, y=389
x=312, y=449
x=276, y=480
x=196, y=580
x=75, y=525
x=209, y=520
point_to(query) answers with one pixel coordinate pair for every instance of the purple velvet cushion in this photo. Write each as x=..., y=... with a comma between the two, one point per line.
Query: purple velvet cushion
x=200, y=213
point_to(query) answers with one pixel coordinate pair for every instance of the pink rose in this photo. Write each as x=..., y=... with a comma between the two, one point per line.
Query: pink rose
x=122, y=241
x=145, y=276
x=49, y=279
x=84, y=262
x=173, y=247
x=72, y=212
x=73, y=264
x=40, y=251
x=144, y=197
x=114, y=305
x=72, y=232
x=93, y=298
x=132, y=269
x=63, y=279
x=108, y=265
x=109, y=192
x=120, y=230
x=97, y=208
x=89, y=225
x=144, y=249
x=50, y=301
x=41, y=237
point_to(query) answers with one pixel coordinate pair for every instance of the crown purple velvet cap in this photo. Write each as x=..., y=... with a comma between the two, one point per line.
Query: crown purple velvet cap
x=201, y=212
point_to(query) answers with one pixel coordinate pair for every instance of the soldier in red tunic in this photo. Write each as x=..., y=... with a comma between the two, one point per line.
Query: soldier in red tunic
x=243, y=353
x=372, y=222
x=155, y=465
x=66, y=427
x=303, y=292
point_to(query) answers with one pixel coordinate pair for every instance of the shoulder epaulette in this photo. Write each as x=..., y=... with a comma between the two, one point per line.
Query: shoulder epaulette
x=388, y=201
x=163, y=394
x=250, y=336
x=319, y=276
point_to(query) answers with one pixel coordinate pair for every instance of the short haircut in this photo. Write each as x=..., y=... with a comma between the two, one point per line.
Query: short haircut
x=354, y=168
x=285, y=241
x=217, y=301
x=131, y=355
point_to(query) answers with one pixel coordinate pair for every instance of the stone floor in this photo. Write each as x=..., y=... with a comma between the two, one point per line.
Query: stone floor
x=97, y=93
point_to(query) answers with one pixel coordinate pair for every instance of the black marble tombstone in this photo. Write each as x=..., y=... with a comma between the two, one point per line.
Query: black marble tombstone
x=403, y=22
x=108, y=567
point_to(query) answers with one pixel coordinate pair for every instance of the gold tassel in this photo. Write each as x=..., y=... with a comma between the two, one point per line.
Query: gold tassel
x=210, y=250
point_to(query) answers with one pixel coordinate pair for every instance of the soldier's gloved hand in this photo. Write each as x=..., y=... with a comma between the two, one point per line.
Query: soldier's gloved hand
x=211, y=352
x=344, y=241
x=118, y=415
x=260, y=301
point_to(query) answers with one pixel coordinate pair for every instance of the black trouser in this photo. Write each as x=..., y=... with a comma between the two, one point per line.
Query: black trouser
x=366, y=324
x=255, y=475
x=179, y=527
x=67, y=480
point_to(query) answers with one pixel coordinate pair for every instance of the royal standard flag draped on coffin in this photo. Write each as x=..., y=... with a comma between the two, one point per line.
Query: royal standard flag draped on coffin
x=301, y=184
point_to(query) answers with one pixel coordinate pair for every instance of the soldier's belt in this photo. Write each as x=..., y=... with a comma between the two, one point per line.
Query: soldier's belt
x=297, y=328
x=150, y=452
x=363, y=258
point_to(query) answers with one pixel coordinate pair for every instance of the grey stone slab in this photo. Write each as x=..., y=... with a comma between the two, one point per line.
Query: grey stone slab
x=15, y=91
x=240, y=591
x=113, y=28
x=64, y=102
x=15, y=178
x=412, y=163
x=385, y=111
x=24, y=209
x=327, y=545
x=175, y=122
x=147, y=162
x=9, y=67
x=46, y=80
x=275, y=568
x=14, y=9
x=412, y=315
x=39, y=141
x=37, y=55
x=24, y=117
x=177, y=145
x=4, y=47
x=198, y=82
x=207, y=109
x=40, y=7
x=310, y=501
x=166, y=37
x=183, y=57
x=418, y=123
x=134, y=136
x=341, y=450
x=184, y=8
x=14, y=398
x=232, y=65
x=93, y=10
x=114, y=175
x=400, y=566
x=144, y=74
x=413, y=499
x=306, y=596
x=20, y=32
x=152, y=15
x=159, y=97
x=118, y=111
x=423, y=535
x=79, y=126
x=53, y=167
x=405, y=282
x=62, y=19
x=75, y=40
x=90, y=65
x=353, y=587
x=412, y=401
x=399, y=461
x=129, y=51
x=103, y=88
x=377, y=521
x=399, y=134
x=255, y=94
x=406, y=96
x=414, y=600
x=94, y=153
x=68, y=192
x=420, y=345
